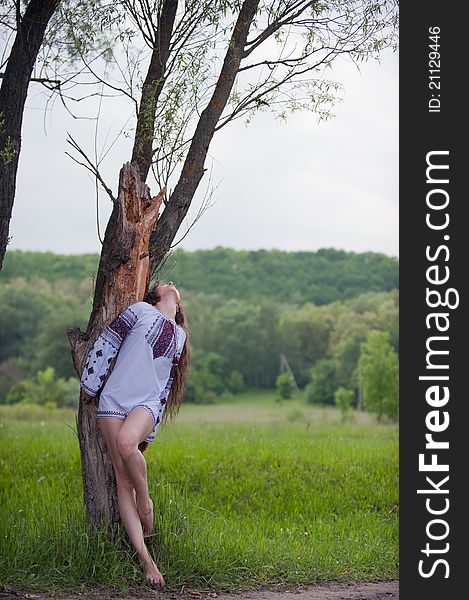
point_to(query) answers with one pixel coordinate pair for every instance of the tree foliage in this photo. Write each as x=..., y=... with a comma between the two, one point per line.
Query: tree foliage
x=293, y=278
x=45, y=389
x=237, y=342
x=305, y=335
x=378, y=376
x=343, y=399
x=322, y=385
x=284, y=385
x=207, y=377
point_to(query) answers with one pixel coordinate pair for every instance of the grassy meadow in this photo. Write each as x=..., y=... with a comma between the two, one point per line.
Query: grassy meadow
x=248, y=492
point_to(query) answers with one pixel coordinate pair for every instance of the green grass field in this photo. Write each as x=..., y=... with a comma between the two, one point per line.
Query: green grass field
x=247, y=493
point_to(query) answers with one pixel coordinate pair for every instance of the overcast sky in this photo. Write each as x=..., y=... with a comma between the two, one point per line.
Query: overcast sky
x=294, y=186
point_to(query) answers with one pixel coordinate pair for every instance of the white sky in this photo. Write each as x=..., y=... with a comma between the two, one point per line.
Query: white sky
x=294, y=186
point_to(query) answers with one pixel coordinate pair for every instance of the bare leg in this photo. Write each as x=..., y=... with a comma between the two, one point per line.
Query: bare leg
x=135, y=467
x=127, y=501
x=131, y=520
x=136, y=427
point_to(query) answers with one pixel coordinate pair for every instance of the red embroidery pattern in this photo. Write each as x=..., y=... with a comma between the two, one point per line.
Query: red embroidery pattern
x=120, y=326
x=116, y=331
x=162, y=338
x=163, y=341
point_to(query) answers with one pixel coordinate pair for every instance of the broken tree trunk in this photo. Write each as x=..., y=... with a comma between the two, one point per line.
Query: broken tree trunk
x=122, y=279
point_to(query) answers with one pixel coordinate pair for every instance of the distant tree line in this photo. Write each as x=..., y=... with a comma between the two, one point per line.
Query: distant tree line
x=236, y=340
x=320, y=277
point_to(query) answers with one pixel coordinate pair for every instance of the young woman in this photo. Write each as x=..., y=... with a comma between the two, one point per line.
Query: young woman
x=147, y=343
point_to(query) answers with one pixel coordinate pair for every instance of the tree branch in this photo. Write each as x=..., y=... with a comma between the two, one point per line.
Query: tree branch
x=283, y=19
x=89, y=165
x=193, y=168
x=55, y=82
x=204, y=206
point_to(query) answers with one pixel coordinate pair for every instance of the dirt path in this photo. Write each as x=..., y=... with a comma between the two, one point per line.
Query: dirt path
x=361, y=590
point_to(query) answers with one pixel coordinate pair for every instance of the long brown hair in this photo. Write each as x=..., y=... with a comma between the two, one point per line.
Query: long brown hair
x=178, y=386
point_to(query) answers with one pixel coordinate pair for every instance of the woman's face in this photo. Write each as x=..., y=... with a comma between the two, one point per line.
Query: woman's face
x=166, y=289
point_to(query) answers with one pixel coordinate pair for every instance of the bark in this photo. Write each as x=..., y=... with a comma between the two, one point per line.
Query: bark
x=143, y=145
x=13, y=92
x=193, y=168
x=122, y=279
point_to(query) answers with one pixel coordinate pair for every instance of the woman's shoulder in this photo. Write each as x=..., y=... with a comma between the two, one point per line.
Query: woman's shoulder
x=140, y=308
x=140, y=304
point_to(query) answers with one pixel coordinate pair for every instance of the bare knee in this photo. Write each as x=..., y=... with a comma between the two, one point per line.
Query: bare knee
x=126, y=444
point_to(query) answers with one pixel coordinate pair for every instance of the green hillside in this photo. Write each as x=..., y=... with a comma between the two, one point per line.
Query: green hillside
x=293, y=277
x=245, y=309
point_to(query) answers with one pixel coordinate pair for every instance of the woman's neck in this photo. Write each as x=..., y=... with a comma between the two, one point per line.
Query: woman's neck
x=168, y=307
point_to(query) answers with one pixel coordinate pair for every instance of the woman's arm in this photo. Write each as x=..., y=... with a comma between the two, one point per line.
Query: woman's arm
x=103, y=355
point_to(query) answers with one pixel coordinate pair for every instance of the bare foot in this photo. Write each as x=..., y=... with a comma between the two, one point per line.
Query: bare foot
x=146, y=518
x=153, y=573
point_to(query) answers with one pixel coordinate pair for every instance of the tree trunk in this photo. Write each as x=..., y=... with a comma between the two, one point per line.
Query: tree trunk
x=124, y=268
x=122, y=279
x=29, y=37
x=142, y=152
